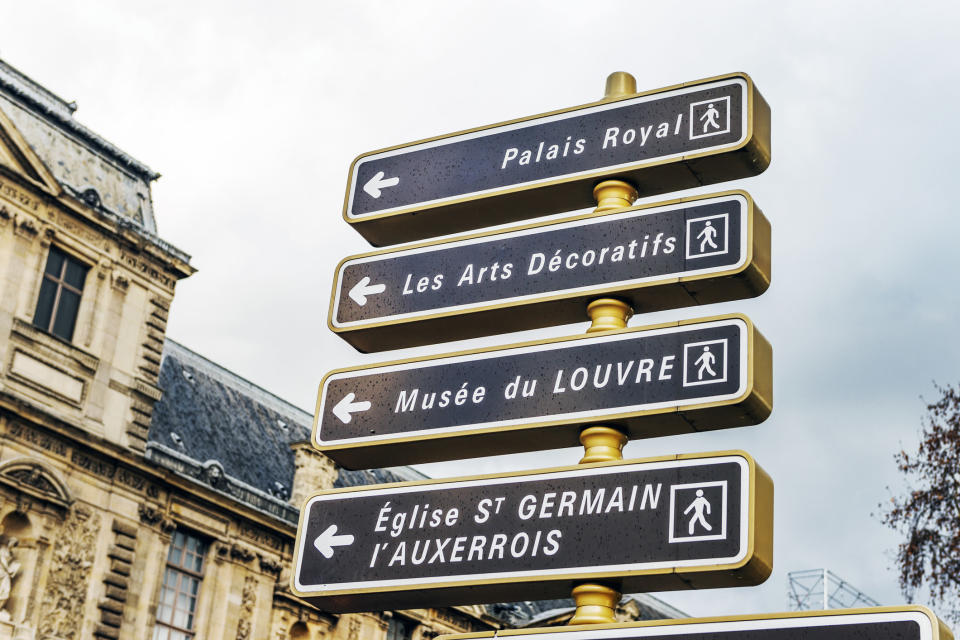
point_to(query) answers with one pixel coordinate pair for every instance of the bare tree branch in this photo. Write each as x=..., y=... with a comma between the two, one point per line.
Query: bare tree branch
x=929, y=515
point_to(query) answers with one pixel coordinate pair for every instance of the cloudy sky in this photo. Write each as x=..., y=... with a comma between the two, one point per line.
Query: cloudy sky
x=253, y=111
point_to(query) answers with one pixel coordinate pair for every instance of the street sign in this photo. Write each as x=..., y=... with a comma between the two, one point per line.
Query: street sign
x=876, y=623
x=694, y=251
x=679, y=377
x=674, y=138
x=678, y=522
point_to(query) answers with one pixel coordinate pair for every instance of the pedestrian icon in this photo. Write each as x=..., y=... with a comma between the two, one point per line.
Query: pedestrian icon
x=708, y=236
x=698, y=511
x=710, y=117
x=704, y=362
x=698, y=506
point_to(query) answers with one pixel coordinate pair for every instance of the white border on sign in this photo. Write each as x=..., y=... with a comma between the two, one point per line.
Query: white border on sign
x=341, y=294
x=355, y=186
x=726, y=237
x=723, y=374
x=722, y=535
x=729, y=626
x=574, y=415
x=506, y=575
x=694, y=136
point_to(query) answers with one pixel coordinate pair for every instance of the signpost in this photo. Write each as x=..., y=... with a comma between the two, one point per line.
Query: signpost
x=605, y=526
x=673, y=138
x=693, y=251
x=877, y=623
x=669, y=523
x=675, y=378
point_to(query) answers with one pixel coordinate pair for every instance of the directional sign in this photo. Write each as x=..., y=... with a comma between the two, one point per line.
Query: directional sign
x=674, y=138
x=876, y=623
x=694, y=251
x=650, y=525
x=680, y=377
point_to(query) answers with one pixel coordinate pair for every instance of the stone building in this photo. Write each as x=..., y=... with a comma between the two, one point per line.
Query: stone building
x=146, y=492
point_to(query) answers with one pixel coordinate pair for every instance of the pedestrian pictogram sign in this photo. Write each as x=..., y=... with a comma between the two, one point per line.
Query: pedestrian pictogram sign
x=693, y=251
x=699, y=520
x=674, y=138
x=676, y=378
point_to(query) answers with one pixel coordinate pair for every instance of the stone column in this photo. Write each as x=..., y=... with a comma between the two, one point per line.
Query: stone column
x=314, y=472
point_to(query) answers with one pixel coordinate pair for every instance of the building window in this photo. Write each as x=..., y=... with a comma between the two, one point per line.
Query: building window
x=400, y=628
x=181, y=586
x=60, y=292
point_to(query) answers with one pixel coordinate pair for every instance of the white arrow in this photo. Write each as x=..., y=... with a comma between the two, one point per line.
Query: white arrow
x=377, y=182
x=363, y=289
x=345, y=407
x=329, y=539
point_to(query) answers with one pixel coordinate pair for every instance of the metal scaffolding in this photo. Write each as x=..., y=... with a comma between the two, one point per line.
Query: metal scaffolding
x=822, y=589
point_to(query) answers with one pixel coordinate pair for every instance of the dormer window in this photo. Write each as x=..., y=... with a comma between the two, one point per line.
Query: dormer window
x=60, y=292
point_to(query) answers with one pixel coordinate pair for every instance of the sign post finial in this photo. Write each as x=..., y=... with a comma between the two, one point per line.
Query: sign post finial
x=620, y=84
x=614, y=194
x=596, y=604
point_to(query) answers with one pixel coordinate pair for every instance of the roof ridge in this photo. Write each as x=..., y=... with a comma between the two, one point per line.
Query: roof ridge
x=43, y=102
x=33, y=85
x=229, y=377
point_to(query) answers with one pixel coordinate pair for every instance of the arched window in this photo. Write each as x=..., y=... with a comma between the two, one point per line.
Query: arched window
x=299, y=631
x=17, y=525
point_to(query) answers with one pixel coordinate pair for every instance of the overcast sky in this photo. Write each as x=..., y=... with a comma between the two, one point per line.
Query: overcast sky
x=252, y=111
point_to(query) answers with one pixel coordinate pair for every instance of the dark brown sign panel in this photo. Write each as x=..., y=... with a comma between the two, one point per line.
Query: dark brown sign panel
x=876, y=623
x=694, y=521
x=674, y=138
x=679, y=377
x=686, y=252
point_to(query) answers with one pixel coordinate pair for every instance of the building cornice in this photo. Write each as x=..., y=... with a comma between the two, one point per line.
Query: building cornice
x=221, y=483
x=177, y=483
x=119, y=228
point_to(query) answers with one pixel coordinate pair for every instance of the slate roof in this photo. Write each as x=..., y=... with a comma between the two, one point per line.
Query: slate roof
x=85, y=165
x=210, y=416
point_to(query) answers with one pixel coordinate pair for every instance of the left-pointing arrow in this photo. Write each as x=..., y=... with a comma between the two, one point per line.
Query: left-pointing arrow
x=329, y=539
x=347, y=406
x=378, y=182
x=362, y=289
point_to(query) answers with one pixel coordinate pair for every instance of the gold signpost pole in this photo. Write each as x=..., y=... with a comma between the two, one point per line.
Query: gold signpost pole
x=597, y=603
x=598, y=596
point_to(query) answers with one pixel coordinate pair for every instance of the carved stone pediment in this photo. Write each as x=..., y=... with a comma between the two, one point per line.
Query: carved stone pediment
x=35, y=479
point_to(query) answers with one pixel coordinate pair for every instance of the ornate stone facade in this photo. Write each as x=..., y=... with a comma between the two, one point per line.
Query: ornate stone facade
x=68, y=580
x=313, y=470
x=248, y=605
